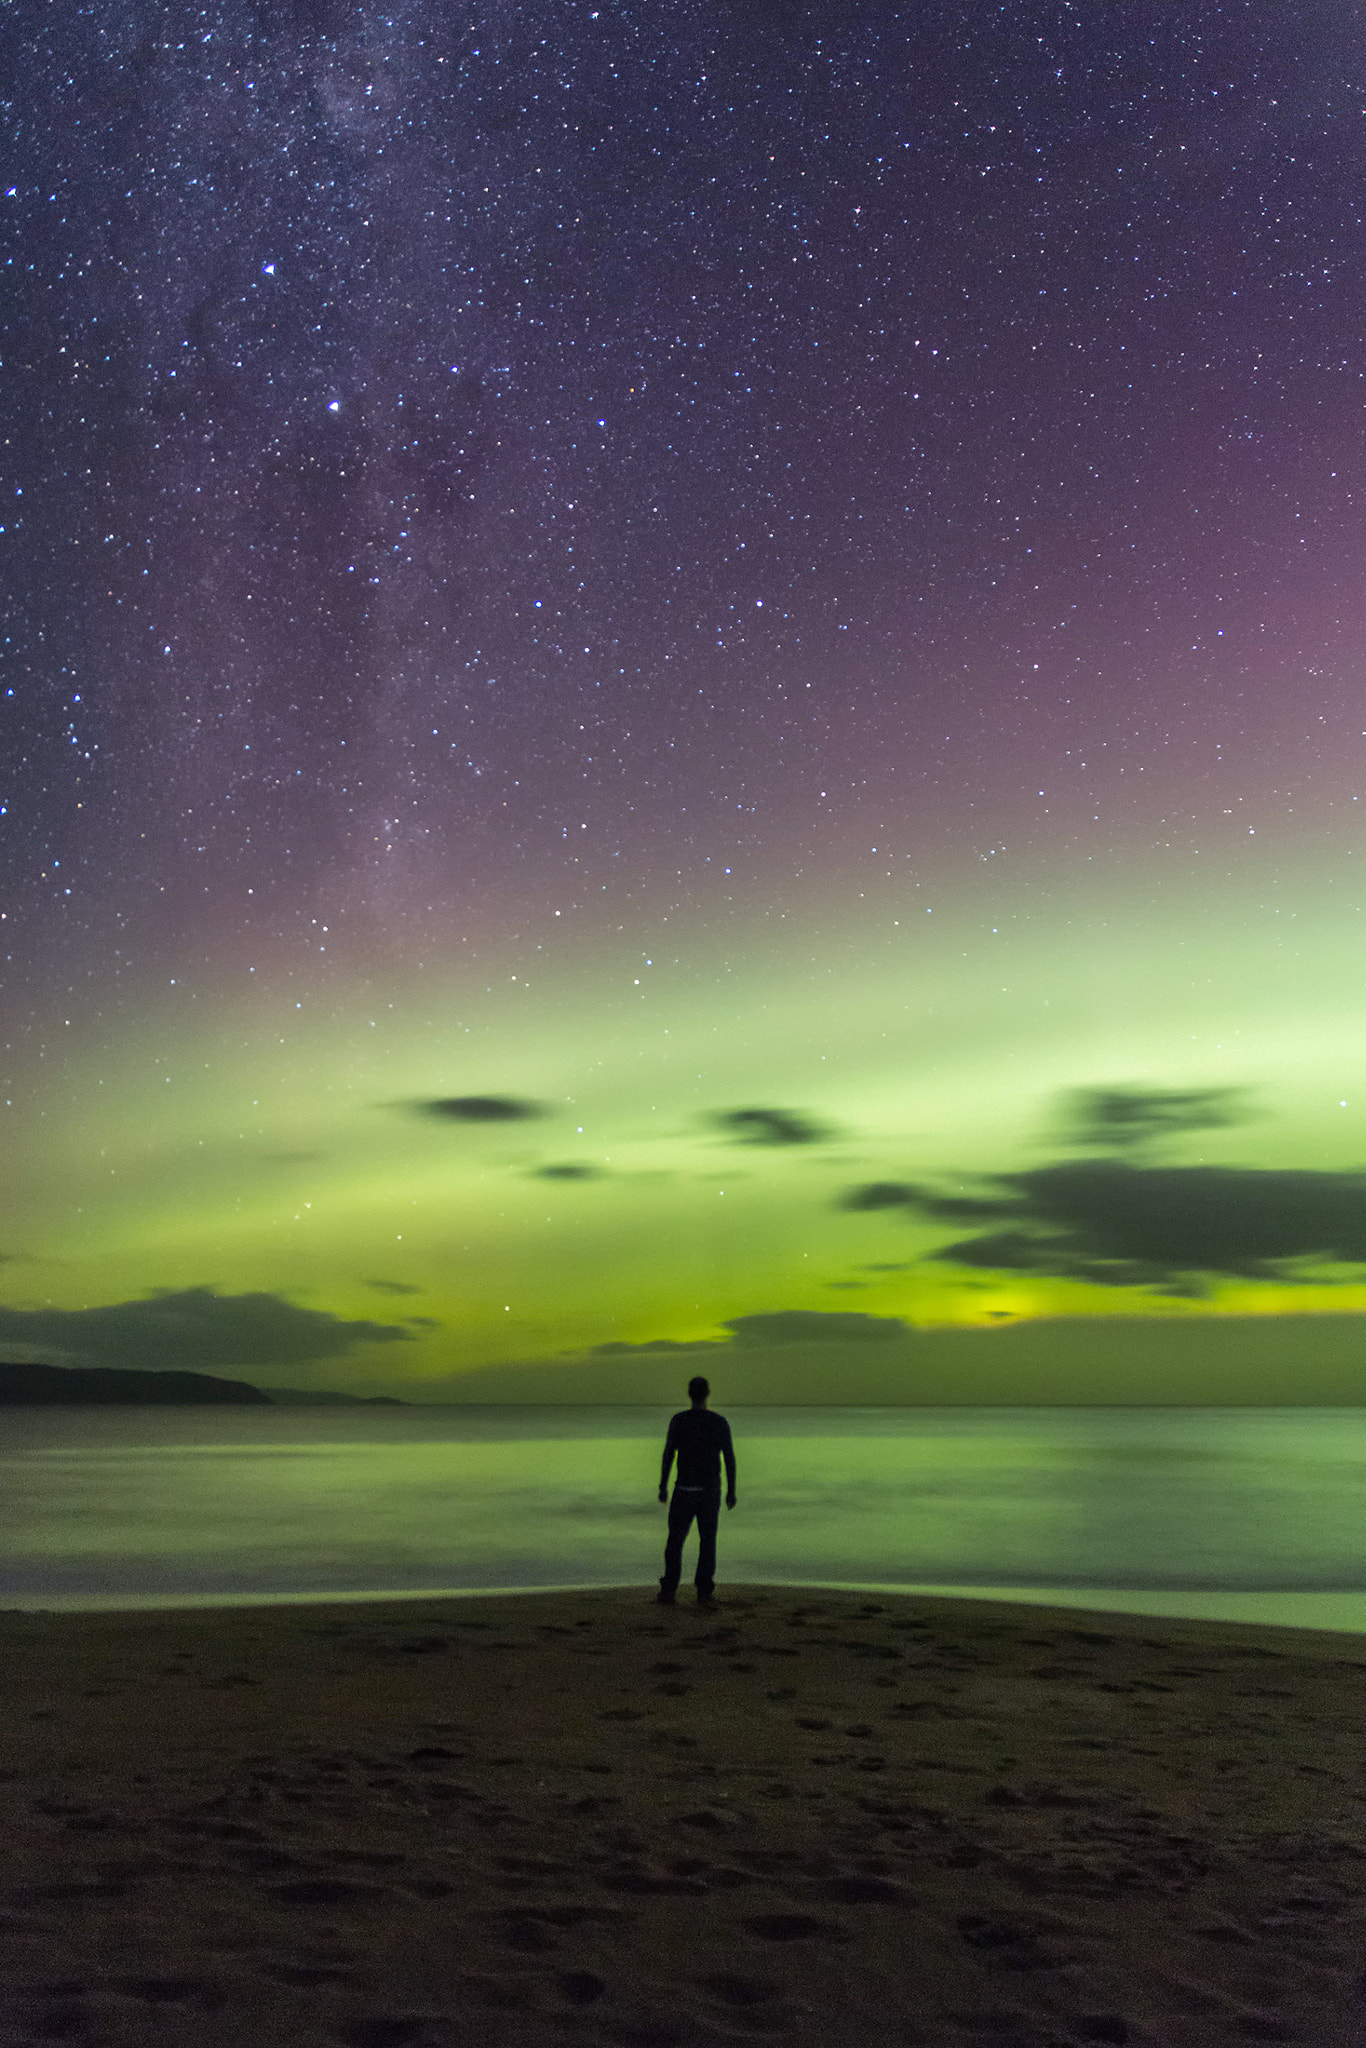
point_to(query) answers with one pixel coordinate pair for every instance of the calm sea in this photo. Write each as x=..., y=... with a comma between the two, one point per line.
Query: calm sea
x=1244, y=1514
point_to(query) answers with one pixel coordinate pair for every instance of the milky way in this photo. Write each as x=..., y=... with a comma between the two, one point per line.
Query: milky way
x=781, y=586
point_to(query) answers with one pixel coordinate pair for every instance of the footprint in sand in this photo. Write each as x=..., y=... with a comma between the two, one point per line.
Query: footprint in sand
x=648, y=1884
x=1006, y=1939
x=580, y=1987
x=75, y=1891
x=385, y=2030
x=164, y=1990
x=307, y=1975
x=528, y=1937
x=521, y=1917
x=324, y=1891
x=740, y=1990
x=444, y=1791
x=1226, y=1931
x=855, y=1888
x=794, y=1927
x=497, y=1992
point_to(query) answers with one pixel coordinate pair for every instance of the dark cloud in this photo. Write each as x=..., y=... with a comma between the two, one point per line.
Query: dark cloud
x=1125, y=1226
x=195, y=1328
x=883, y=1194
x=1121, y=1118
x=782, y=1326
x=422, y=1322
x=813, y=1326
x=393, y=1287
x=616, y=1350
x=1017, y=1251
x=478, y=1109
x=770, y=1127
x=568, y=1173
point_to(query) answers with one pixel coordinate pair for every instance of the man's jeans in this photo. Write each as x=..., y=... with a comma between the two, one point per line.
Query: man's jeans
x=706, y=1506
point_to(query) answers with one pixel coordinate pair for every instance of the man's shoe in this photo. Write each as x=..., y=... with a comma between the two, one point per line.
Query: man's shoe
x=707, y=1604
x=663, y=1599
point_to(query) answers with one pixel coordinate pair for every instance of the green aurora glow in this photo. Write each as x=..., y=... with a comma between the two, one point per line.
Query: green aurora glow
x=277, y=1140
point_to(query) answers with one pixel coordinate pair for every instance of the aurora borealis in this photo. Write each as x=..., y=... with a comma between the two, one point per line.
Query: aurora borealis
x=646, y=646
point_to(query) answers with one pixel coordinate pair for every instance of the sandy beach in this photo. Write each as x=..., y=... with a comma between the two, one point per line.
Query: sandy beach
x=807, y=1817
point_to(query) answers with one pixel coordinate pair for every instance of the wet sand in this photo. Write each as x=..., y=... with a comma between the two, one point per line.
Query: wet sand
x=812, y=1818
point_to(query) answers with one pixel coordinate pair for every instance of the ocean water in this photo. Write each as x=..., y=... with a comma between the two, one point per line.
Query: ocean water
x=1243, y=1514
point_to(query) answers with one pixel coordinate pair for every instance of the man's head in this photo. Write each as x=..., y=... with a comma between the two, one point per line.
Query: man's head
x=698, y=1390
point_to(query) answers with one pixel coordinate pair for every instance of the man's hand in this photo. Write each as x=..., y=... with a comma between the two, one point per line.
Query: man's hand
x=730, y=1500
x=664, y=1494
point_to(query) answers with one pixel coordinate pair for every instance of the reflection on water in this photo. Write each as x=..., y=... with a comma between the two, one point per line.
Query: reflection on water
x=1247, y=1514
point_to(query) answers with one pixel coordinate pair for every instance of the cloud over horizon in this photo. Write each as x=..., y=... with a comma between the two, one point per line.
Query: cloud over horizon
x=195, y=1328
x=1122, y=1225
x=1123, y=1118
x=776, y=1327
x=770, y=1127
x=478, y=1109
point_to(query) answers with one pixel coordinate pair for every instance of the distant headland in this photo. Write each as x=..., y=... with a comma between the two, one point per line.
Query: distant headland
x=104, y=1386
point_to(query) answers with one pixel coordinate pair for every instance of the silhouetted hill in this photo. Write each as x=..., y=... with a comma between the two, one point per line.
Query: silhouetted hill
x=106, y=1386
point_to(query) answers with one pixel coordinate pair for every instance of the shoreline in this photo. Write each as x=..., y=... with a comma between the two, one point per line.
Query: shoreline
x=575, y=1816
x=1339, y=1612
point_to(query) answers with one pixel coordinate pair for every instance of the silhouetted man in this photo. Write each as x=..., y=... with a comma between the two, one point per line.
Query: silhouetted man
x=699, y=1440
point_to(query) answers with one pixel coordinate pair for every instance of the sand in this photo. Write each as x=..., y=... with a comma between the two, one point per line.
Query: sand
x=580, y=1818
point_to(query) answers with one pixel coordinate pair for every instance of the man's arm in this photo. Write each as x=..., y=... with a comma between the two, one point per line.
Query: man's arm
x=728, y=1453
x=670, y=1446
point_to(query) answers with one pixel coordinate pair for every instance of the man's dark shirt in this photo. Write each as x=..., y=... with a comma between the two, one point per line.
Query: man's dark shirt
x=700, y=1440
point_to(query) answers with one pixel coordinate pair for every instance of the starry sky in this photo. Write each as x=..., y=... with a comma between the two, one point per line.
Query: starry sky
x=668, y=666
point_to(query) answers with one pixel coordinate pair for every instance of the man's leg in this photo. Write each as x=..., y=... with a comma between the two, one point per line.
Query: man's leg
x=681, y=1511
x=708, y=1512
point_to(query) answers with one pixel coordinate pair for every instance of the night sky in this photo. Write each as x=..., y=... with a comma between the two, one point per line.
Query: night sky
x=673, y=664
